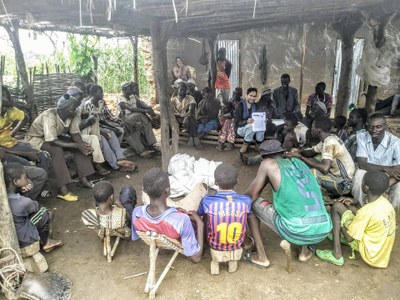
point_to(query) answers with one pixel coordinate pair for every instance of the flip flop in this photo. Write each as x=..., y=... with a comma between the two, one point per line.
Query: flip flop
x=52, y=247
x=68, y=197
x=327, y=255
x=246, y=258
x=45, y=194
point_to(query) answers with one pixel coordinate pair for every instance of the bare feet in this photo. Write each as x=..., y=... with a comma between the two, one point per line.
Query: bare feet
x=52, y=244
x=305, y=254
x=126, y=165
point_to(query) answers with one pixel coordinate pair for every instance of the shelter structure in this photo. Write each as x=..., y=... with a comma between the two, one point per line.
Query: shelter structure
x=206, y=19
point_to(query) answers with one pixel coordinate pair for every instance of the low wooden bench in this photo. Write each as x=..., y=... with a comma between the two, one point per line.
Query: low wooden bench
x=212, y=138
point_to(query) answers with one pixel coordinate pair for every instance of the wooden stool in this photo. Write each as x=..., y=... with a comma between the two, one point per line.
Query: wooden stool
x=34, y=260
x=231, y=257
x=158, y=241
x=108, y=226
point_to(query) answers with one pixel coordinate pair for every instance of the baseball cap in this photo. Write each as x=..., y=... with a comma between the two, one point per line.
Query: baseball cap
x=269, y=147
x=266, y=91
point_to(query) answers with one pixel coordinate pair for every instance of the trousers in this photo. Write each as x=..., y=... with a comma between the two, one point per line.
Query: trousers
x=60, y=169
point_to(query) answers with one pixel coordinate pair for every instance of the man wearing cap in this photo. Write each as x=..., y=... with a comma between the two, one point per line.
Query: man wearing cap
x=133, y=113
x=296, y=211
x=267, y=105
x=207, y=115
x=185, y=113
x=46, y=133
x=286, y=98
x=191, y=90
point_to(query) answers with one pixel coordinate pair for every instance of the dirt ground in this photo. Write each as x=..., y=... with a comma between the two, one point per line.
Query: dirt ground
x=81, y=259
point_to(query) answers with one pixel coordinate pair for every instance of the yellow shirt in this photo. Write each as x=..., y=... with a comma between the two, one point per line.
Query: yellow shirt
x=12, y=114
x=374, y=227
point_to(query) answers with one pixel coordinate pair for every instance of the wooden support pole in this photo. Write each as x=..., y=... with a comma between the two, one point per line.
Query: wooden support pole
x=346, y=28
x=8, y=235
x=19, y=57
x=212, y=61
x=135, y=46
x=169, y=144
x=303, y=56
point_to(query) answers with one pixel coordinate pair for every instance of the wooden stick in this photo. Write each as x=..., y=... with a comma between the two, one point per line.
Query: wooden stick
x=135, y=275
x=164, y=273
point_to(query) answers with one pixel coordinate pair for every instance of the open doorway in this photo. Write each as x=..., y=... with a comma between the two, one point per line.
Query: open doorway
x=232, y=54
x=355, y=80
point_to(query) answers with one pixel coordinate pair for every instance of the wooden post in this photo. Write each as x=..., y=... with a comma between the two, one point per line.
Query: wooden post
x=169, y=144
x=303, y=56
x=19, y=57
x=378, y=31
x=346, y=27
x=135, y=46
x=213, y=66
x=8, y=235
x=2, y=67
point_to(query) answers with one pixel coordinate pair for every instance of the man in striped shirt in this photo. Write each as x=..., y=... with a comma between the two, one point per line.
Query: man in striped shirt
x=226, y=211
x=378, y=150
x=169, y=221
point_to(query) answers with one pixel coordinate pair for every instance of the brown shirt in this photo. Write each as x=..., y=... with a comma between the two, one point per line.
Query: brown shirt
x=181, y=107
x=48, y=126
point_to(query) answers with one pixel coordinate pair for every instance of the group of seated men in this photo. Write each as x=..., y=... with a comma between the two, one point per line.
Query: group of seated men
x=81, y=123
x=303, y=163
x=298, y=176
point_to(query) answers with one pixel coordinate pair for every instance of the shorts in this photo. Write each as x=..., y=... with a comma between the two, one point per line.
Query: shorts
x=333, y=185
x=265, y=211
x=345, y=222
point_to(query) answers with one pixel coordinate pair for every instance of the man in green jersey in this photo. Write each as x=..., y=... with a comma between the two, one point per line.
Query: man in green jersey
x=296, y=212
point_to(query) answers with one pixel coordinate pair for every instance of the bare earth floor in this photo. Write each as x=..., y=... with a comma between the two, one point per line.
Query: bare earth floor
x=93, y=278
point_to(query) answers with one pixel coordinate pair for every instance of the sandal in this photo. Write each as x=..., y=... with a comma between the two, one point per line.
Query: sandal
x=68, y=197
x=85, y=185
x=45, y=194
x=56, y=243
x=327, y=255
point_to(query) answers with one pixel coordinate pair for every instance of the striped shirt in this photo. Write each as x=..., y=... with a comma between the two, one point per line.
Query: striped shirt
x=386, y=154
x=171, y=223
x=227, y=218
x=101, y=111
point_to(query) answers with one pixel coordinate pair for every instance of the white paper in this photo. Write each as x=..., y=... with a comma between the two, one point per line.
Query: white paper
x=278, y=122
x=259, y=121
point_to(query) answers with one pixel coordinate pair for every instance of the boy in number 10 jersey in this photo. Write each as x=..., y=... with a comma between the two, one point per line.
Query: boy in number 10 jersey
x=226, y=211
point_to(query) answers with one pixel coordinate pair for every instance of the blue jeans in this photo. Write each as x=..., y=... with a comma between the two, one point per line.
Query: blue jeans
x=128, y=199
x=248, y=133
x=210, y=125
x=111, y=150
